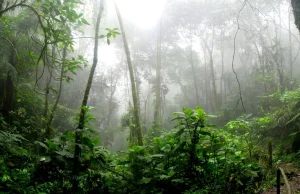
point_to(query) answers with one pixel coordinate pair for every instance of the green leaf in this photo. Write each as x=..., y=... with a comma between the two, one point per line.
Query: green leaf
x=188, y=112
x=200, y=112
x=84, y=21
x=96, y=140
x=88, y=142
x=101, y=36
x=146, y=180
x=171, y=173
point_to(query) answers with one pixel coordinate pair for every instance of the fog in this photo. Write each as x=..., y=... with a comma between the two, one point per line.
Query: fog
x=149, y=96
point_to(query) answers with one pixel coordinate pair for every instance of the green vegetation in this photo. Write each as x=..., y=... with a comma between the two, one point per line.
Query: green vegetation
x=67, y=126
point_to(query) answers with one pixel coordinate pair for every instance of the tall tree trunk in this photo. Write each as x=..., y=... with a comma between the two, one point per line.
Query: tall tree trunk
x=193, y=69
x=111, y=106
x=10, y=88
x=206, y=81
x=46, y=103
x=158, y=80
x=48, y=81
x=78, y=133
x=132, y=80
x=48, y=127
x=261, y=60
x=278, y=56
x=9, y=95
x=290, y=47
x=222, y=73
x=212, y=74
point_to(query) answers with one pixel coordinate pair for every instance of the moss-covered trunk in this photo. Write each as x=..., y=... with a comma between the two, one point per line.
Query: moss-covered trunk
x=136, y=105
x=78, y=135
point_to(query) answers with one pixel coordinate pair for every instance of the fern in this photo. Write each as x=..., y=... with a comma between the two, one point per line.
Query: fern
x=9, y=142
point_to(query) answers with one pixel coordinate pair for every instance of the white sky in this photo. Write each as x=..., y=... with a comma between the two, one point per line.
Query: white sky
x=144, y=13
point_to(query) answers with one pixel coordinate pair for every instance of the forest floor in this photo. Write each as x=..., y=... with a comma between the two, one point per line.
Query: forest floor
x=293, y=175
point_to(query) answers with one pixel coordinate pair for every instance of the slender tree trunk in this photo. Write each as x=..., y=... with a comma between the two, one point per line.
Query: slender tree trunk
x=212, y=74
x=133, y=83
x=206, y=81
x=45, y=114
x=278, y=57
x=48, y=81
x=111, y=106
x=290, y=48
x=222, y=73
x=48, y=129
x=10, y=88
x=193, y=70
x=183, y=91
x=261, y=61
x=138, y=83
x=158, y=80
x=9, y=95
x=78, y=132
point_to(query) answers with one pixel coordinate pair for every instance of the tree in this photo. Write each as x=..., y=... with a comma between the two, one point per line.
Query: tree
x=78, y=133
x=158, y=80
x=136, y=105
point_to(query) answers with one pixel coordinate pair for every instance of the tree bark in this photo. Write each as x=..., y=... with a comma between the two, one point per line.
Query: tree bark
x=78, y=133
x=132, y=80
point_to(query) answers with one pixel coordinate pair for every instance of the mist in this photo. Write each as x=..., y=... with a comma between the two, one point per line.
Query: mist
x=160, y=96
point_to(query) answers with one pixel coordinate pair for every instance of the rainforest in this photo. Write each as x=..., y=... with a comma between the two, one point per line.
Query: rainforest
x=149, y=96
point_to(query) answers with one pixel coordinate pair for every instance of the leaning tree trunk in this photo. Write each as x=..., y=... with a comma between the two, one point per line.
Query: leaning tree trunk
x=78, y=133
x=132, y=80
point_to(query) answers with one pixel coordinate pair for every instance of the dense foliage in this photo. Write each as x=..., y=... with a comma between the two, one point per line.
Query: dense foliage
x=68, y=126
